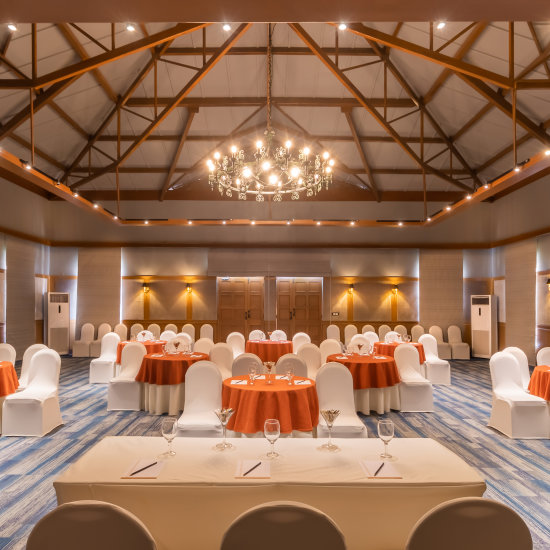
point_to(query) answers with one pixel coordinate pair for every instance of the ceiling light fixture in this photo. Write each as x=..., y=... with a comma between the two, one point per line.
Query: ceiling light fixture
x=96, y=205
x=146, y=222
x=288, y=222
x=318, y=223
x=352, y=222
x=468, y=197
x=115, y=217
x=28, y=166
x=272, y=169
x=224, y=222
x=75, y=194
x=440, y=25
x=189, y=222
x=428, y=219
x=342, y=26
x=447, y=208
x=547, y=152
x=12, y=27
x=517, y=169
x=226, y=27
x=486, y=186
x=130, y=27
x=399, y=224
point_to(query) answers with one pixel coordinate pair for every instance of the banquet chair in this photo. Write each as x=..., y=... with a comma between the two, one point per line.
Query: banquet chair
x=35, y=410
x=122, y=330
x=443, y=348
x=203, y=395
x=416, y=332
x=415, y=391
x=189, y=329
x=391, y=336
x=459, y=349
x=298, y=365
x=8, y=353
x=124, y=392
x=474, y=523
x=299, y=339
x=81, y=348
x=134, y=329
x=167, y=335
x=382, y=331
x=371, y=336
x=95, y=346
x=207, y=331
x=89, y=525
x=333, y=333
x=102, y=369
x=334, y=385
x=155, y=329
x=367, y=328
x=243, y=362
x=359, y=340
x=237, y=343
x=256, y=335
x=26, y=363
x=283, y=524
x=401, y=330
x=184, y=342
x=437, y=371
x=515, y=412
x=543, y=356
x=222, y=355
x=349, y=332
x=310, y=354
x=278, y=336
x=172, y=327
x=328, y=347
x=203, y=345
x=145, y=336
x=523, y=363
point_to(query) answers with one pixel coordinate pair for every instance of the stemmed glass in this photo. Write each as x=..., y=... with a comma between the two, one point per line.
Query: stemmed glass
x=289, y=372
x=252, y=371
x=330, y=415
x=176, y=345
x=408, y=338
x=269, y=365
x=224, y=415
x=272, y=431
x=385, y=433
x=168, y=430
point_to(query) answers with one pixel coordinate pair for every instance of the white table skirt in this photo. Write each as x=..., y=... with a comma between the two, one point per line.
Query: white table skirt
x=161, y=399
x=196, y=497
x=380, y=400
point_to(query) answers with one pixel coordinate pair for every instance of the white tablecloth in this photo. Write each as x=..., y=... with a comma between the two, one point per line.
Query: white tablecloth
x=196, y=497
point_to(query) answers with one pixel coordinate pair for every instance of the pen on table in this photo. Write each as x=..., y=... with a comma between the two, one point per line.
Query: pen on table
x=377, y=471
x=141, y=469
x=253, y=468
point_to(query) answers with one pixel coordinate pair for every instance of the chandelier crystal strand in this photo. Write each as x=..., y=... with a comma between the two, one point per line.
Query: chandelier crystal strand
x=272, y=169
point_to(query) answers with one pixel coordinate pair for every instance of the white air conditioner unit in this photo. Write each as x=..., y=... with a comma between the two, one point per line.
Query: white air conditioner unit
x=484, y=325
x=58, y=321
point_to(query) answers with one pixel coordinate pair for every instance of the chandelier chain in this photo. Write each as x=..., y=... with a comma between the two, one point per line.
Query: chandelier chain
x=269, y=76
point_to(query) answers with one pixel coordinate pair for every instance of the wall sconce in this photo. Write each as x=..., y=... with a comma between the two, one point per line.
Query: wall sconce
x=145, y=287
x=188, y=288
x=351, y=289
x=395, y=290
x=548, y=284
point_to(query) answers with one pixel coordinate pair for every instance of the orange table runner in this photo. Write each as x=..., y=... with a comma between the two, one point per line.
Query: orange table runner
x=296, y=407
x=167, y=369
x=539, y=384
x=8, y=379
x=152, y=346
x=369, y=372
x=268, y=350
x=381, y=348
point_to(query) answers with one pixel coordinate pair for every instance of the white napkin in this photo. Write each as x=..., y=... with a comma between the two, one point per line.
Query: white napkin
x=281, y=377
x=239, y=382
x=149, y=473
x=260, y=377
x=263, y=471
x=302, y=382
x=389, y=471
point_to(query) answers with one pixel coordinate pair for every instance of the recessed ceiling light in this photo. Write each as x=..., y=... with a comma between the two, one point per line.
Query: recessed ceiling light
x=224, y=222
x=28, y=166
x=146, y=222
x=399, y=224
x=447, y=208
x=517, y=169
x=486, y=186
x=468, y=197
x=115, y=217
x=12, y=27
x=318, y=223
x=226, y=27
x=352, y=222
x=342, y=26
x=189, y=222
x=96, y=205
x=130, y=27
x=440, y=25
x=253, y=222
x=75, y=194
x=428, y=219
x=288, y=222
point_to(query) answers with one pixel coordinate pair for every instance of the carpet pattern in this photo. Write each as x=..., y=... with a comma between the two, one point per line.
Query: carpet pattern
x=517, y=472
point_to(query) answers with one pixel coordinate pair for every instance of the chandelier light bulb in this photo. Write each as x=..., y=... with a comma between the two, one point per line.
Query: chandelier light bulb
x=189, y=222
x=547, y=152
x=331, y=162
x=326, y=155
x=328, y=169
x=300, y=181
x=342, y=26
x=294, y=171
x=288, y=144
x=266, y=165
x=279, y=184
x=247, y=172
x=258, y=185
x=272, y=178
x=115, y=217
x=233, y=149
x=259, y=144
x=306, y=151
x=217, y=155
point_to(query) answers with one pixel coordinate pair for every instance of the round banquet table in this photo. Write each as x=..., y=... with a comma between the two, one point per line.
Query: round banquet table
x=375, y=380
x=269, y=350
x=8, y=383
x=381, y=348
x=295, y=406
x=539, y=384
x=163, y=378
x=152, y=346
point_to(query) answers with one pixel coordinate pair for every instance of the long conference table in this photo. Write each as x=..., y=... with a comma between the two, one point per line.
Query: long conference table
x=196, y=495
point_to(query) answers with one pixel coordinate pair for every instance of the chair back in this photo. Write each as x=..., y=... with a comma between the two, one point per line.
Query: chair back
x=8, y=353
x=367, y=328
x=131, y=358
x=44, y=369
x=207, y=331
x=134, y=329
x=145, y=336
x=382, y=331
x=407, y=360
x=523, y=363
x=87, y=332
x=167, y=335
x=242, y=363
x=256, y=335
x=222, y=355
x=102, y=330
x=335, y=388
x=290, y=360
x=371, y=336
x=88, y=525
x=333, y=333
x=155, y=329
x=401, y=330
x=505, y=372
x=237, y=342
x=122, y=330
x=359, y=340
x=437, y=333
x=328, y=347
x=109, y=344
x=299, y=339
x=185, y=342
x=429, y=343
x=283, y=524
x=278, y=336
x=543, y=356
x=474, y=523
x=416, y=332
x=203, y=387
x=454, y=335
x=203, y=345
x=26, y=363
x=349, y=332
x=189, y=329
x=391, y=336
x=172, y=327
x=310, y=354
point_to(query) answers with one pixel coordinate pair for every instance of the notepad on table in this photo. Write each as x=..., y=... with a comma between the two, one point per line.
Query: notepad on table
x=302, y=382
x=263, y=471
x=239, y=382
x=388, y=471
x=151, y=472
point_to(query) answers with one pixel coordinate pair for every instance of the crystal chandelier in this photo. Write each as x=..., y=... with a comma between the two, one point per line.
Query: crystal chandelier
x=270, y=168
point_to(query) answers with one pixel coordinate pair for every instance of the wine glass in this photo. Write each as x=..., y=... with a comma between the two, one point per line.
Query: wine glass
x=252, y=371
x=330, y=415
x=272, y=431
x=269, y=365
x=408, y=338
x=385, y=433
x=176, y=345
x=224, y=415
x=289, y=372
x=168, y=429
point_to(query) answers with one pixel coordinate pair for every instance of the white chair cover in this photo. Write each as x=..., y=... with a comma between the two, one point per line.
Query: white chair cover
x=371, y=336
x=122, y=330
x=523, y=363
x=474, y=523
x=401, y=330
x=89, y=525
x=155, y=329
x=124, y=393
x=102, y=369
x=443, y=348
x=222, y=355
x=203, y=395
x=95, y=346
x=8, y=353
x=167, y=335
x=288, y=525
x=416, y=332
x=172, y=327
x=290, y=360
x=382, y=331
x=242, y=363
x=256, y=335
x=81, y=348
x=349, y=332
x=367, y=328
x=134, y=329
x=415, y=392
x=237, y=343
x=26, y=363
x=543, y=356
x=333, y=333
x=299, y=339
x=278, y=336
x=145, y=336
x=391, y=336
x=335, y=391
x=459, y=349
x=310, y=354
x=35, y=410
x=203, y=345
x=437, y=371
x=361, y=343
x=328, y=347
x=189, y=329
x=207, y=331
x=184, y=343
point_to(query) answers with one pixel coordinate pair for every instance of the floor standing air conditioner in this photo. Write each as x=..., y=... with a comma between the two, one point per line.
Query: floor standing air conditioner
x=58, y=321
x=484, y=325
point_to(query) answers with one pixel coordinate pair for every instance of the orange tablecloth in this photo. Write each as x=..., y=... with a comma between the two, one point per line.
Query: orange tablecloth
x=8, y=379
x=369, y=372
x=296, y=407
x=267, y=350
x=381, y=348
x=152, y=346
x=540, y=382
x=167, y=369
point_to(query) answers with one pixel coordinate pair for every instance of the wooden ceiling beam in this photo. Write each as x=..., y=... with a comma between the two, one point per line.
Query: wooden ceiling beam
x=275, y=50
x=39, y=152
x=538, y=45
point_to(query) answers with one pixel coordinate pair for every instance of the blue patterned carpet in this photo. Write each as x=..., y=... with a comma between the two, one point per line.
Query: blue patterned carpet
x=517, y=472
